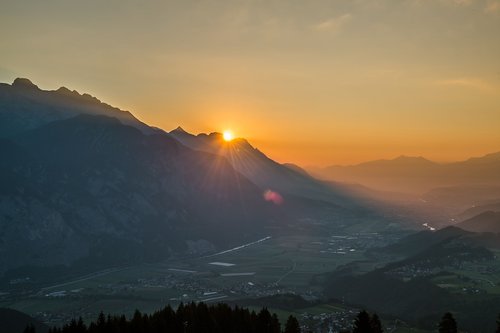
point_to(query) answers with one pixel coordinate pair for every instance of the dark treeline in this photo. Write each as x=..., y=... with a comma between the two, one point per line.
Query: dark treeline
x=188, y=318
x=366, y=323
x=220, y=318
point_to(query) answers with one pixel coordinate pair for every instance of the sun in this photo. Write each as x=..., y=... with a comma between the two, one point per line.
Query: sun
x=228, y=136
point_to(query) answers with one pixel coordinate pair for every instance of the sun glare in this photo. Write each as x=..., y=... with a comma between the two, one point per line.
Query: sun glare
x=227, y=135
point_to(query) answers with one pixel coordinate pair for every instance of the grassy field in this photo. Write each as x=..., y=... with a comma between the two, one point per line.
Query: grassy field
x=473, y=278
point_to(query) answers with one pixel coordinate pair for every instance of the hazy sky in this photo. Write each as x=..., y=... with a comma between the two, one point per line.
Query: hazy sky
x=311, y=82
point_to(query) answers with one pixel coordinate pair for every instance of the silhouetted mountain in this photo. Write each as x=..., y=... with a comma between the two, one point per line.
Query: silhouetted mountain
x=476, y=210
x=416, y=174
x=13, y=321
x=86, y=190
x=488, y=221
x=398, y=162
x=260, y=169
x=77, y=185
x=296, y=168
x=23, y=106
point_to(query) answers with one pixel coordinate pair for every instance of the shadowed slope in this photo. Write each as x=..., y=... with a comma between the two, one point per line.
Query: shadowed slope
x=87, y=182
x=13, y=321
x=488, y=221
x=261, y=170
x=23, y=106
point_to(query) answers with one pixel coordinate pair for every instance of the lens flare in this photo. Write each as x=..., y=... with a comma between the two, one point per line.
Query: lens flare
x=273, y=197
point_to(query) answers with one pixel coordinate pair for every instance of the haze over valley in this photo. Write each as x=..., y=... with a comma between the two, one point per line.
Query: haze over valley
x=102, y=212
x=204, y=166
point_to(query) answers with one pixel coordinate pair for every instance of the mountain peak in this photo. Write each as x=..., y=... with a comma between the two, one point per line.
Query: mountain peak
x=67, y=92
x=412, y=159
x=409, y=158
x=64, y=90
x=179, y=130
x=24, y=83
x=215, y=134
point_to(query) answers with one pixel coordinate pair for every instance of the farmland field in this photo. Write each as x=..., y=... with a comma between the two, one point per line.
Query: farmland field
x=276, y=265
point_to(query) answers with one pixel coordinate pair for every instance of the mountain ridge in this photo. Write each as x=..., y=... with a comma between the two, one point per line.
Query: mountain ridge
x=415, y=174
x=24, y=106
x=260, y=169
x=84, y=177
x=488, y=221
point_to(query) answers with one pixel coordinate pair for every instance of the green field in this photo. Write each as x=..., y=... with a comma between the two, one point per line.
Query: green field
x=473, y=278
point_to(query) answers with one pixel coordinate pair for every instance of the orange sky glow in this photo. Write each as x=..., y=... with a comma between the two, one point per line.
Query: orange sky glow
x=309, y=82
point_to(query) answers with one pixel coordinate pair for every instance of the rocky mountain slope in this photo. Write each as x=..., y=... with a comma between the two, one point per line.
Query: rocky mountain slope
x=88, y=185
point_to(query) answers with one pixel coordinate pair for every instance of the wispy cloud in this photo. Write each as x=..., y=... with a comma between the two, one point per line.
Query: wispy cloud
x=461, y=2
x=468, y=82
x=492, y=6
x=332, y=25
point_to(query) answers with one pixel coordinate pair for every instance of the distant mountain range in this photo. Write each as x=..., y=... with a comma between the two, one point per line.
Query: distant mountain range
x=416, y=174
x=88, y=185
x=488, y=221
x=476, y=210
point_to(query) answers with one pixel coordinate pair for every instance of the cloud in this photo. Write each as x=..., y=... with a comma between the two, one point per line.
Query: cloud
x=465, y=82
x=462, y=2
x=492, y=6
x=332, y=25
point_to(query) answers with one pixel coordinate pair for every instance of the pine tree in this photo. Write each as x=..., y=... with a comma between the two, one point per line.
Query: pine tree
x=264, y=321
x=375, y=324
x=292, y=325
x=362, y=323
x=80, y=326
x=101, y=323
x=29, y=329
x=448, y=324
x=275, y=324
x=498, y=324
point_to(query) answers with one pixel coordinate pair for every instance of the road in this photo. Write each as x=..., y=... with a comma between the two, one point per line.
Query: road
x=87, y=277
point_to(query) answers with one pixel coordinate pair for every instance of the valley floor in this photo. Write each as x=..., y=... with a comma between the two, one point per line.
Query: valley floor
x=254, y=276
